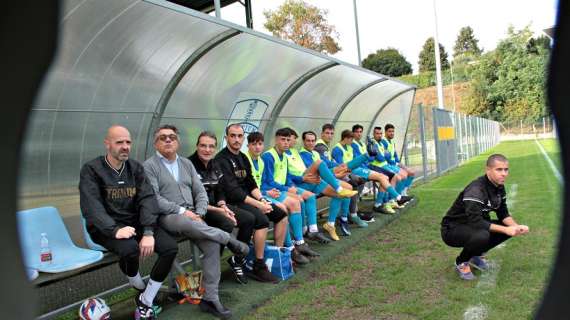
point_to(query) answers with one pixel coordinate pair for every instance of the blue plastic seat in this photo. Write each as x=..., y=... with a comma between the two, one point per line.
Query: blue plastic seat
x=88, y=241
x=65, y=254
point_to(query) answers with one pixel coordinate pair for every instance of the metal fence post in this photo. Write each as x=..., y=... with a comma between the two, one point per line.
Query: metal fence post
x=460, y=141
x=435, y=140
x=466, y=129
x=423, y=140
x=478, y=135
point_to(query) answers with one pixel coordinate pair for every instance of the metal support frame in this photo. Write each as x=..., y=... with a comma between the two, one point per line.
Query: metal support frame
x=354, y=95
x=399, y=93
x=404, y=144
x=286, y=95
x=248, y=14
x=177, y=77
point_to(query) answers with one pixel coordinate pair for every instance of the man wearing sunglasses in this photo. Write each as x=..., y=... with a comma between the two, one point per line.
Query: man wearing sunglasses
x=184, y=201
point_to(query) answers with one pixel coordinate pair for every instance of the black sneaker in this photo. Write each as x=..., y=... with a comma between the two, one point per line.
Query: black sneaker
x=142, y=311
x=237, y=247
x=305, y=250
x=261, y=273
x=403, y=200
x=237, y=264
x=215, y=308
x=344, y=228
x=299, y=258
x=318, y=237
x=367, y=217
x=383, y=210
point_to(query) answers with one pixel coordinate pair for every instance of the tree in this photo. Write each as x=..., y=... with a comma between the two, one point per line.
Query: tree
x=466, y=44
x=534, y=44
x=427, y=56
x=388, y=62
x=303, y=24
x=509, y=82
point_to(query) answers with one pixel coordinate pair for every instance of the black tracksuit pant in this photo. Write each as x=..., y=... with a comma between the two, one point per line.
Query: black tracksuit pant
x=128, y=251
x=474, y=241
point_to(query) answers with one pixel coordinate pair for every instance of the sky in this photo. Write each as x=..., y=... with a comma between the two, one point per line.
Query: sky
x=406, y=24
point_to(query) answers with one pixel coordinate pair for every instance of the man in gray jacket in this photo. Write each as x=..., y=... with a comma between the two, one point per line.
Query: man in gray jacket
x=184, y=201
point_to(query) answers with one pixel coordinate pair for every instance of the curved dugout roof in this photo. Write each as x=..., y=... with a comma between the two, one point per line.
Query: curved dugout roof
x=143, y=63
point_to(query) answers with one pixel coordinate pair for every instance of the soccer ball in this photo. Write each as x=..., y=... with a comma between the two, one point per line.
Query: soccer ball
x=94, y=309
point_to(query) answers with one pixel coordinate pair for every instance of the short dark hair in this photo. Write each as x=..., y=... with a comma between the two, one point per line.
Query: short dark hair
x=389, y=126
x=165, y=126
x=494, y=158
x=378, y=128
x=232, y=125
x=254, y=137
x=346, y=134
x=327, y=126
x=283, y=132
x=356, y=127
x=293, y=132
x=304, y=135
x=208, y=134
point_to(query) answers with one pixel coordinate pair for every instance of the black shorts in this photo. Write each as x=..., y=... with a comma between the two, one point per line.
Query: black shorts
x=383, y=171
x=260, y=219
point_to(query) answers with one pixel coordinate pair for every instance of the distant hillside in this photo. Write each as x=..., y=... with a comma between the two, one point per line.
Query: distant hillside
x=428, y=96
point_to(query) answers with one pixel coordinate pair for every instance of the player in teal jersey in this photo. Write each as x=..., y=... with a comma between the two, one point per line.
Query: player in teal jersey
x=292, y=205
x=343, y=153
x=380, y=164
x=394, y=163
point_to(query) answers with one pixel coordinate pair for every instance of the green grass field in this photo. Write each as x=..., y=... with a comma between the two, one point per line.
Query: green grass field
x=404, y=271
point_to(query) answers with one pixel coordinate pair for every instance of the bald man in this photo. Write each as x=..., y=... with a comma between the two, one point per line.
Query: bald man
x=121, y=211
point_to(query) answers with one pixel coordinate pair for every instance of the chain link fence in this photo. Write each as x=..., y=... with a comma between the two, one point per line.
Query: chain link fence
x=524, y=130
x=439, y=140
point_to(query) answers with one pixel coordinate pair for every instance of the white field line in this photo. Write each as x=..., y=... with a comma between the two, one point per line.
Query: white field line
x=511, y=195
x=478, y=312
x=550, y=163
x=488, y=279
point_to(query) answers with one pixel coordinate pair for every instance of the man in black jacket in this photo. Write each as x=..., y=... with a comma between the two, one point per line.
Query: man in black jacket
x=221, y=214
x=468, y=225
x=121, y=211
x=242, y=191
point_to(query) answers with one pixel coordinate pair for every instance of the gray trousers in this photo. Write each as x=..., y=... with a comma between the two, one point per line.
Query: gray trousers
x=208, y=239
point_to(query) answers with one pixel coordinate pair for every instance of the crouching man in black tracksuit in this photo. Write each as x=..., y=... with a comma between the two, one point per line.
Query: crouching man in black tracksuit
x=468, y=225
x=121, y=211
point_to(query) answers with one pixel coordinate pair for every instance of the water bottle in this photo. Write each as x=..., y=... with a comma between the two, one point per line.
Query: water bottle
x=45, y=250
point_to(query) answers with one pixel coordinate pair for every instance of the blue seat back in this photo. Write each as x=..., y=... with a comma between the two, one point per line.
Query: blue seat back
x=32, y=223
x=88, y=241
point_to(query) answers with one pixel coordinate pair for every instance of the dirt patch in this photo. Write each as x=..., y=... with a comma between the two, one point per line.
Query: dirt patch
x=428, y=96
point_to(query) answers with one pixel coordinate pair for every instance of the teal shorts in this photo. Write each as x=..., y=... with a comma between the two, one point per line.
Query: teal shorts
x=364, y=173
x=393, y=168
x=314, y=188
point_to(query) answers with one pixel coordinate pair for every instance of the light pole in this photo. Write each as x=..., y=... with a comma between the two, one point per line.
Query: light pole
x=357, y=34
x=437, y=60
x=218, y=10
